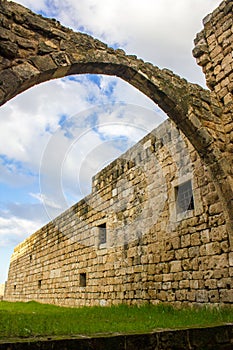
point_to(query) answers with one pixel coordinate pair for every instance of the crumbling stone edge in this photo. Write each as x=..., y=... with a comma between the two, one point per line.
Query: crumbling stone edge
x=210, y=338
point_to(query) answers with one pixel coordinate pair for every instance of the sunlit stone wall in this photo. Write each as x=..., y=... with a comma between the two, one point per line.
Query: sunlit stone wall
x=156, y=249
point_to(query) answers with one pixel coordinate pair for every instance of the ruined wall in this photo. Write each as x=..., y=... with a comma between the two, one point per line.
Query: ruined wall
x=153, y=252
x=214, y=53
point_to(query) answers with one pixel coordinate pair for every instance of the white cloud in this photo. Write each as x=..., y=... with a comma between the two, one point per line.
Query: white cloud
x=15, y=229
x=33, y=5
x=34, y=115
x=44, y=200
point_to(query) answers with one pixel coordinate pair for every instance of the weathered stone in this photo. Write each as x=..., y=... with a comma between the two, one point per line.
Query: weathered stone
x=8, y=49
x=26, y=44
x=202, y=296
x=200, y=48
x=25, y=71
x=7, y=36
x=231, y=259
x=8, y=80
x=193, y=251
x=213, y=248
x=175, y=266
x=38, y=23
x=226, y=296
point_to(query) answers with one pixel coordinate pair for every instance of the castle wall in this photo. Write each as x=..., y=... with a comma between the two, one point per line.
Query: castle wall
x=153, y=252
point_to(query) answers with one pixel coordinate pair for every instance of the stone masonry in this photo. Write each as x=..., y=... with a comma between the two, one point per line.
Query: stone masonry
x=135, y=238
x=153, y=251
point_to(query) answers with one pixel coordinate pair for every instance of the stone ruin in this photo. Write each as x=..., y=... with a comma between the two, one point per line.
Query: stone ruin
x=158, y=224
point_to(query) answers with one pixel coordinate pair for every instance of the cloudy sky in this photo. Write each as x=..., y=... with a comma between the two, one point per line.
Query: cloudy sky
x=55, y=136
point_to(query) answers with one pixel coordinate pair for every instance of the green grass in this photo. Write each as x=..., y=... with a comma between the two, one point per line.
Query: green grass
x=34, y=320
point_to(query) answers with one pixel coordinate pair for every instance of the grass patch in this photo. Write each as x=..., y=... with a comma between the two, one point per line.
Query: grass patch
x=32, y=319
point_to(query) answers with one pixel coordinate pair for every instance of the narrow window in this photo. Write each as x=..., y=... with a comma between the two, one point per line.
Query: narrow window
x=39, y=284
x=30, y=258
x=15, y=287
x=83, y=279
x=102, y=233
x=184, y=197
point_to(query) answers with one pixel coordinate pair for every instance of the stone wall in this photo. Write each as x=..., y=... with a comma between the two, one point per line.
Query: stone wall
x=214, y=53
x=153, y=252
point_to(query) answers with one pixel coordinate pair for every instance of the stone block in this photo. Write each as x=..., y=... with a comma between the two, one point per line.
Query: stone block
x=231, y=259
x=205, y=236
x=181, y=254
x=175, y=266
x=202, y=296
x=181, y=295
x=167, y=277
x=193, y=252
x=43, y=63
x=228, y=98
x=226, y=296
x=215, y=208
x=185, y=284
x=175, y=242
x=213, y=248
x=195, y=239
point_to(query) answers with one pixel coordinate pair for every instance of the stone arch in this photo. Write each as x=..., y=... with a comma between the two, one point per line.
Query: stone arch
x=54, y=51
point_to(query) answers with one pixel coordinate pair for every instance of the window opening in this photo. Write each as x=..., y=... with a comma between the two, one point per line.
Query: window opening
x=39, y=283
x=102, y=233
x=184, y=197
x=58, y=238
x=83, y=279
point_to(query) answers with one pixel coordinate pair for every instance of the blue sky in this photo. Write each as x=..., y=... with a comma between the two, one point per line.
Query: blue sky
x=56, y=136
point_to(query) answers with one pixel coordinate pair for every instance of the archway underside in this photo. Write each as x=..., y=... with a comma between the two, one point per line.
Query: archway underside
x=35, y=49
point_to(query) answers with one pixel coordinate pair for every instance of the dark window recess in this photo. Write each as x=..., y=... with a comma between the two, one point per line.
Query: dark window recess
x=83, y=279
x=15, y=287
x=102, y=233
x=39, y=283
x=30, y=258
x=184, y=197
